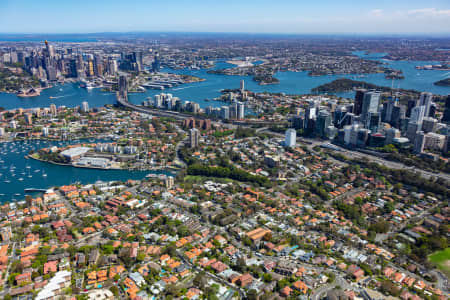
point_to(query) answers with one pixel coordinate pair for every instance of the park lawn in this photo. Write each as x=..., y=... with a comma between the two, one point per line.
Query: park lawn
x=202, y=179
x=442, y=260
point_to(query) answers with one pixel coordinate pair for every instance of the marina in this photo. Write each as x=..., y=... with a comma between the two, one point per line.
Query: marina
x=19, y=177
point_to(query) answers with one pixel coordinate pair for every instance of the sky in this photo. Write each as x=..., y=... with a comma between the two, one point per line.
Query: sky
x=247, y=16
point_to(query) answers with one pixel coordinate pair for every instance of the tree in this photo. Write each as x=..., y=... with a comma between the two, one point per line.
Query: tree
x=267, y=277
x=200, y=280
x=252, y=295
x=108, y=249
x=388, y=207
x=183, y=230
x=115, y=290
x=171, y=249
x=381, y=226
x=331, y=277
x=388, y=287
x=211, y=292
x=140, y=257
x=12, y=278
x=172, y=289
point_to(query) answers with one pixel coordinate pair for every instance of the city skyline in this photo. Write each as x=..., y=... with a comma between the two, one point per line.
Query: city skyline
x=288, y=17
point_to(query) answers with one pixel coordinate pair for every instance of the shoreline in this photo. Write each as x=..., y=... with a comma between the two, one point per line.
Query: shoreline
x=45, y=139
x=99, y=168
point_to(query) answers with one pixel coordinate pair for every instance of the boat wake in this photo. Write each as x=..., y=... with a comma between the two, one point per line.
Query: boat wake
x=57, y=97
x=182, y=88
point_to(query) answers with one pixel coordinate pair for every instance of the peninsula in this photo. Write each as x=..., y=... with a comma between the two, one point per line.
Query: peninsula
x=443, y=82
x=346, y=85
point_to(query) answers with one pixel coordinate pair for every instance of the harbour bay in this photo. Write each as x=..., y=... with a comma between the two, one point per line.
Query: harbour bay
x=72, y=95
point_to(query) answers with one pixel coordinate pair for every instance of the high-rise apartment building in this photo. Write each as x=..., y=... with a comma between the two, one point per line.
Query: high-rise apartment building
x=194, y=136
x=371, y=101
x=290, y=139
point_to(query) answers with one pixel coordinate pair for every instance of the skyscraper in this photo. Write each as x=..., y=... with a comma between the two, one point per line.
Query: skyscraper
x=322, y=122
x=310, y=113
x=194, y=137
x=85, y=106
x=234, y=110
x=298, y=122
x=391, y=134
x=51, y=73
x=373, y=122
x=419, y=142
x=45, y=131
x=53, y=110
x=446, y=116
x=80, y=63
x=370, y=104
x=290, y=139
x=240, y=111
x=112, y=67
x=388, y=108
x=429, y=124
x=28, y=118
x=98, y=65
x=425, y=100
x=359, y=96
x=225, y=112
x=49, y=50
x=411, y=131
x=90, y=69
x=242, y=86
x=411, y=104
x=139, y=59
x=123, y=83
x=417, y=114
x=398, y=112
x=156, y=66
x=73, y=68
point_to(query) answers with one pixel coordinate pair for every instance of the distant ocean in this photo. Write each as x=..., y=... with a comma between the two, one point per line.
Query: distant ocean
x=40, y=38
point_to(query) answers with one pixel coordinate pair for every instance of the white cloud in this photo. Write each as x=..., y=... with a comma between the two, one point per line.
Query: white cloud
x=376, y=12
x=429, y=12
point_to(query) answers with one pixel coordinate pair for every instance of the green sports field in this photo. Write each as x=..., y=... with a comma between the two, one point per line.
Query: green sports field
x=442, y=260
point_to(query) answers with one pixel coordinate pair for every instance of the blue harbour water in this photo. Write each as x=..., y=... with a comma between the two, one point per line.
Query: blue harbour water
x=71, y=95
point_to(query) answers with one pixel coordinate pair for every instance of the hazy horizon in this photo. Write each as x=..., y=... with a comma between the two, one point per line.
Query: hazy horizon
x=224, y=34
